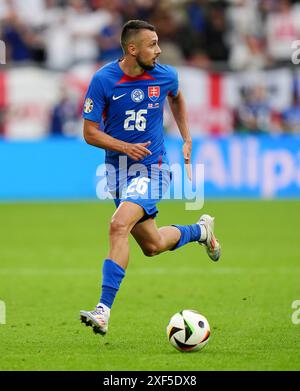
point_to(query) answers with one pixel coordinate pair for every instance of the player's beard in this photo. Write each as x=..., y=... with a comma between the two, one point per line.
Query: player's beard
x=143, y=65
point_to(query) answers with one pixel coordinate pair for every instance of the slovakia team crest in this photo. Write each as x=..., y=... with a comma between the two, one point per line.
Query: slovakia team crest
x=154, y=93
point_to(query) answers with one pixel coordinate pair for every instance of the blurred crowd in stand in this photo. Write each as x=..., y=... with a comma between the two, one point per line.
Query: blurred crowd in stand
x=215, y=36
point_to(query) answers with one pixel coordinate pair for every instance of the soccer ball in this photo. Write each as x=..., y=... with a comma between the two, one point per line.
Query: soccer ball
x=188, y=330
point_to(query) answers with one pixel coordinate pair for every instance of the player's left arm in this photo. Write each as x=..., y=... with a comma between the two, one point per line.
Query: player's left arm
x=178, y=108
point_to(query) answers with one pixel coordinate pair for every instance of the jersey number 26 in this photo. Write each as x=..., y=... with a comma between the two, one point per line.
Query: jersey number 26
x=135, y=120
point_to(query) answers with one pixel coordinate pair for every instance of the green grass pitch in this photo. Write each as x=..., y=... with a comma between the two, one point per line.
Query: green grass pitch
x=50, y=268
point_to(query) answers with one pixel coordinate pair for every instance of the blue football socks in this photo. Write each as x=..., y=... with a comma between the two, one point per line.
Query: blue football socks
x=112, y=276
x=189, y=233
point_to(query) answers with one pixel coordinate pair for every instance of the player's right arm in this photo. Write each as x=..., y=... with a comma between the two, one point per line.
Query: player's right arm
x=97, y=138
x=95, y=103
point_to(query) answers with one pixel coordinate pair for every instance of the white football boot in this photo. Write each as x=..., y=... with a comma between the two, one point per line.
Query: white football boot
x=97, y=319
x=212, y=245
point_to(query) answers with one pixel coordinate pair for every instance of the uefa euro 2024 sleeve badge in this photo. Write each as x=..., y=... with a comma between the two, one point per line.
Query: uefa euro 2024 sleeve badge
x=88, y=105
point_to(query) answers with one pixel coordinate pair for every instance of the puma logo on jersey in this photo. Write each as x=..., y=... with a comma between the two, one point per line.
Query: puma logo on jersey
x=118, y=97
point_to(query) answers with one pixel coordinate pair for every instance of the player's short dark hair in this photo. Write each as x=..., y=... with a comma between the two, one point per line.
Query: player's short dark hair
x=131, y=28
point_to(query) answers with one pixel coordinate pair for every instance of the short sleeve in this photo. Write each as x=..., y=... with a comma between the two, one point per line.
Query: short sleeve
x=173, y=88
x=95, y=100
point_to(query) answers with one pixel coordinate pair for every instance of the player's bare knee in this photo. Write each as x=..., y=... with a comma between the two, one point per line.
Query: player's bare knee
x=151, y=249
x=118, y=228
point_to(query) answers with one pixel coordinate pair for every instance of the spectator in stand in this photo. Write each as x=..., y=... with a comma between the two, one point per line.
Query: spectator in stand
x=21, y=32
x=16, y=37
x=243, y=18
x=71, y=33
x=245, y=36
x=282, y=27
x=84, y=26
x=64, y=117
x=169, y=33
x=30, y=12
x=57, y=38
x=145, y=8
x=215, y=33
x=199, y=59
x=255, y=114
x=109, y=43
x=109, y=36
x=197, y=21
x=129, y=10
x=290, y=118
x=249, y=54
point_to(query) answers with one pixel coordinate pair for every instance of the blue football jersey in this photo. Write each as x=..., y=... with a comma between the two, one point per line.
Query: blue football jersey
x=131, y=108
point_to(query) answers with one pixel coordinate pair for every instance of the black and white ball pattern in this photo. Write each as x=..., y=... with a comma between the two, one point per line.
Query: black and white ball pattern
x=188, y=330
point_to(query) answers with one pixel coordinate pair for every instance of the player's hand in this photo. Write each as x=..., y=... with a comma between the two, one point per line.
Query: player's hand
x=187, y=151
x=137, y=151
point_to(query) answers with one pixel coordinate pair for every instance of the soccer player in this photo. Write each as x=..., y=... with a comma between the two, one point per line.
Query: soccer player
x=123, y=114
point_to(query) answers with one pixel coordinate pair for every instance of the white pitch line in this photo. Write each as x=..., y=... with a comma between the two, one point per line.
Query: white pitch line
x=148, y=271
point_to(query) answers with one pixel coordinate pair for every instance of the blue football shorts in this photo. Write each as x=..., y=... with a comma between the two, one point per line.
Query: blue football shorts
x=145, y=188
